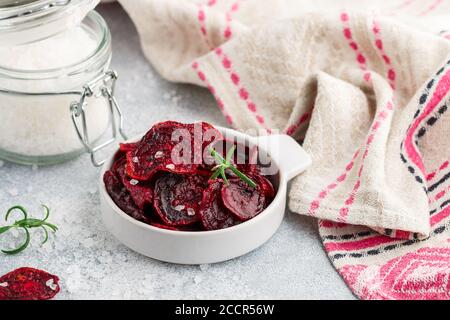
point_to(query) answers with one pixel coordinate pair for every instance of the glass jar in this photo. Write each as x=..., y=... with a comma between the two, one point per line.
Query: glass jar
x=56, y=89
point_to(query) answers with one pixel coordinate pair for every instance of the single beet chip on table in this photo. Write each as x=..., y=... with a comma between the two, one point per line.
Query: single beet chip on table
x=166, y=179
x=28, y=284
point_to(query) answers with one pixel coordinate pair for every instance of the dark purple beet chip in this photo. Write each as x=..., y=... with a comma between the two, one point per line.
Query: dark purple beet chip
x=156, y=221
x=265, y=185
x=177, y=198
x=213, y=214
x=244, y=201
x=140, y=191
x=122, y=198
x=189, y=228
x=170, y=146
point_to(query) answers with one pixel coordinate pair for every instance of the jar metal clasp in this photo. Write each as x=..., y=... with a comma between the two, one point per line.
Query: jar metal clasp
x=105, y=84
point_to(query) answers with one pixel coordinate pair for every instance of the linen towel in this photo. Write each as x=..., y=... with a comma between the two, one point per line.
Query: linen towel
x=365, y=85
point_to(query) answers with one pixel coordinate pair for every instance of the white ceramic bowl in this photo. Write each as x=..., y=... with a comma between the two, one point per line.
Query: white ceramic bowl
x=211, y=246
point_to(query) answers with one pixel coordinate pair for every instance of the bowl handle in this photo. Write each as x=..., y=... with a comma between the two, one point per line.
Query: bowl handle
x=287, y=153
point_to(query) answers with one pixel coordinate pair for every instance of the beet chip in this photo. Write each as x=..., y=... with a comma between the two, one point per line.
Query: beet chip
x=243, y=200
x=140, y=192
x=122, y=198
x=163, y=226
x=170, y=146
x=28, y=284
x=266, y=186
x=128, y=147
x=213, y=214
x=177, y=198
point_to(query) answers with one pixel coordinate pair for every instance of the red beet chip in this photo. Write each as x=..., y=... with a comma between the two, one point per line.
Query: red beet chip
x=177, y=198
x=122, y=198
x=192, y=227
x=213, y=214
x=140, y=191
x=189, y=228
x=128, y=147
x=163, y=226
x=28, y=284
x=265, y=185
x=247, y=169
x=243, y=200
x=170, y=146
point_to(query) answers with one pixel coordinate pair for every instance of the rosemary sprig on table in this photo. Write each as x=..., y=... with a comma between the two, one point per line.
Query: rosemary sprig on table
x=26, y=224
x=224, y=164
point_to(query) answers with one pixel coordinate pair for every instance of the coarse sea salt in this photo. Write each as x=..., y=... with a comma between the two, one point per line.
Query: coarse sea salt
x=204, y=267
x=198, y=279
x=41, y=125
x=190, y=212
x=51, y=284
x=13, y=192
x=179, y=207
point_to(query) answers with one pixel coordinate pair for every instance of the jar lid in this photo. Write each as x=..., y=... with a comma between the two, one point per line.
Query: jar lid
x=23, y=21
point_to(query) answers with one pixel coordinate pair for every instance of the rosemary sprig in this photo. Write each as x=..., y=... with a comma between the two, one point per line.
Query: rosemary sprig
x=26, y=224
x=224, y=164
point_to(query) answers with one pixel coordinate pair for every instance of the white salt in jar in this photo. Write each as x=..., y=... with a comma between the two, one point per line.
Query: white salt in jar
x=56, y=91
